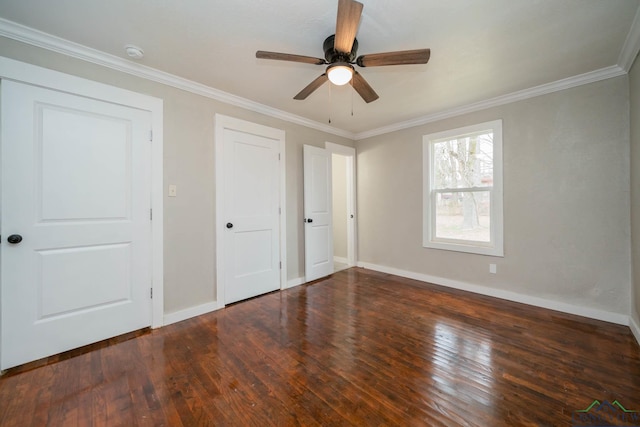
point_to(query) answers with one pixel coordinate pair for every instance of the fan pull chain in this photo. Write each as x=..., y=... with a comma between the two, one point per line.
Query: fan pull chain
x=351, y=102
x=330, y=103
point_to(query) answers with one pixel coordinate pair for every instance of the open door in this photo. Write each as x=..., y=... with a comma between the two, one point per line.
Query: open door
x=318, y=222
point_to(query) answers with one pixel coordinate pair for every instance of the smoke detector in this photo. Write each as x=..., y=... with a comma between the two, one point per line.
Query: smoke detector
x=133, y=52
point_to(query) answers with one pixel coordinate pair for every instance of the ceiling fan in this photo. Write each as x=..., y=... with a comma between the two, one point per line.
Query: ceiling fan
x=340, y=53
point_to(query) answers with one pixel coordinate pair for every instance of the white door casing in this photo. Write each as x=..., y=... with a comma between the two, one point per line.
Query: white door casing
x=250, y=217
x=76, y=175
x=318, y=227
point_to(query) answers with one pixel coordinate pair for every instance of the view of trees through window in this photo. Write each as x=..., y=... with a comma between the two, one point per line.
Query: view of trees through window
x=462, y=185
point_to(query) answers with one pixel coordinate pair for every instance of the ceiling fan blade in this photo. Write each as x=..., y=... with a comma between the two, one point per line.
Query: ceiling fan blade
x=402, y=57
x=261, y=54
x=349, y=13
x=311, y=87
x=362, y=87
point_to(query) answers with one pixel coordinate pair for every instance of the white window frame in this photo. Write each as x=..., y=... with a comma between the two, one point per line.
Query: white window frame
x=429, y=240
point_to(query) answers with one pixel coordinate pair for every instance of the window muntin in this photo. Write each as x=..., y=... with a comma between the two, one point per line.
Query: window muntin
x=463, y=189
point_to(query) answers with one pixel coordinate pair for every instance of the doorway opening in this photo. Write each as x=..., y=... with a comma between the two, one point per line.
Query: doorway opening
x=344, y=206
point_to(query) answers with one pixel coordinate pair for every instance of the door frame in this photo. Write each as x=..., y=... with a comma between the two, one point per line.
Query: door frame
x=222, y=122
x=31, y=74
x=352, y=229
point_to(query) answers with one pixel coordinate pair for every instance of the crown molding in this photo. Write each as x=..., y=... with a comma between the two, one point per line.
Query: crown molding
x=591, y=77
x=631, y=45
x=627, y=56
x=43, y=40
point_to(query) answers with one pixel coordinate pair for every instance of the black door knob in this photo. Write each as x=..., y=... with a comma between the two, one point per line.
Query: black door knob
x=229, y=225
x=14, y=238
x=309, y=220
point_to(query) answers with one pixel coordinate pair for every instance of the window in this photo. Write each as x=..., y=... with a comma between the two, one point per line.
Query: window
x=462, y=193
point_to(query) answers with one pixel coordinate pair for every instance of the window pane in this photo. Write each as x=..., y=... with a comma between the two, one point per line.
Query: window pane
x=463, y=189
x=464, y=162
x=463, y=216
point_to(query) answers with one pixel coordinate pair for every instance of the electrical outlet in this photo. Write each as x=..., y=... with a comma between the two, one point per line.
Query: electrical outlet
x=492, y=269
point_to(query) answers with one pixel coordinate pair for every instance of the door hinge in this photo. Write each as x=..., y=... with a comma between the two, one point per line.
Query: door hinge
x=151, y=135
x=278, y=156
x=151, y=293
x=150, y=214
x=279, y=211
x=280, y=265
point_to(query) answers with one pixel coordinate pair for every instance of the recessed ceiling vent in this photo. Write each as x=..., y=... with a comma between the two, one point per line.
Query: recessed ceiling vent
x=133, y=52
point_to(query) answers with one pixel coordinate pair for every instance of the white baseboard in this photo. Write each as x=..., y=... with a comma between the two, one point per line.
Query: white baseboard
x=295, y=282
x=593, y=313
x=340, y=259
x=635, y=327
x=188, y=313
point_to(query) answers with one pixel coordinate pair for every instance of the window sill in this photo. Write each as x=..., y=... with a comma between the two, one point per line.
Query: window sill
x=466, y=248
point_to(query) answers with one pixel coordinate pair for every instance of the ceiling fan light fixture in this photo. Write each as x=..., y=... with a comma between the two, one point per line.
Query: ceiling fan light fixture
x=340, y=73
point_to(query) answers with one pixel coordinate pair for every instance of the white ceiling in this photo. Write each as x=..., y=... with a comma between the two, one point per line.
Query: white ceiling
x=480, y=49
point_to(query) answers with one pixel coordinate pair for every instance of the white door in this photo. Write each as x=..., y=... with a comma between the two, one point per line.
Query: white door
x=76, y=188
x=318, y=227
x=252, y=198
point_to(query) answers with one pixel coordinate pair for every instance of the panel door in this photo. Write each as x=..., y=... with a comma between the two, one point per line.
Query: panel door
x=76, y=189
x=252, y=230
x=318, y=228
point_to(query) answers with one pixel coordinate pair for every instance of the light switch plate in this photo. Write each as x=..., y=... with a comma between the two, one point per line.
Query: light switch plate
x=173, y=190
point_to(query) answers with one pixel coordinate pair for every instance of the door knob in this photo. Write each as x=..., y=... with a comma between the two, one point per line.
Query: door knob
x=229, y=225
x=14, y=238
x=308, y=220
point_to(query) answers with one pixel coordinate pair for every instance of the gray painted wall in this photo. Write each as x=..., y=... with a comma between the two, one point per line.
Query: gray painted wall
x=567, y=179
x=566, y=200
x=189, y=246
x=634, y=98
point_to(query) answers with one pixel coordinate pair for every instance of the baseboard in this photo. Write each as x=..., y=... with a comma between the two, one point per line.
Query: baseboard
x=295, y=282
x=188, y=313
x=635, y=327
x=607, y=316
x=340, y=259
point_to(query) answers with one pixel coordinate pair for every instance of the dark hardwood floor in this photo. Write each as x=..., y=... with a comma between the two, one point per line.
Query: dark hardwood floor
x=358, y=348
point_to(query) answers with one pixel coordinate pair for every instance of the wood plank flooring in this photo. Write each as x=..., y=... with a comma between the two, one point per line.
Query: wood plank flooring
x=358, y=348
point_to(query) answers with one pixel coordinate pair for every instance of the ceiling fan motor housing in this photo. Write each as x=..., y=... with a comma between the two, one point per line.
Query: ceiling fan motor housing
x=331, y=55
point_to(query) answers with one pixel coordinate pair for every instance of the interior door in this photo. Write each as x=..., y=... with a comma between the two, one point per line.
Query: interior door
x=76, y=230
x=252, y=230
x=318, y=227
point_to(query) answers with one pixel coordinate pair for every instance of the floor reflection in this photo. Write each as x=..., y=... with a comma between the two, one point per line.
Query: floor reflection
x=359, y=348
x=462, y=365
